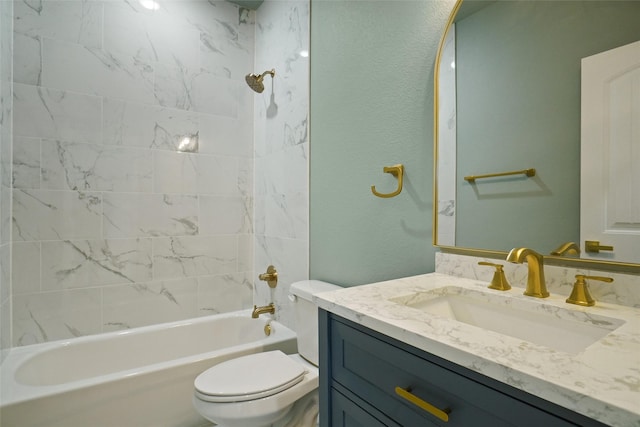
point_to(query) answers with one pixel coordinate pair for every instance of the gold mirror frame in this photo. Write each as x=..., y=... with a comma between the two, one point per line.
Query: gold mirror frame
x=588, y=264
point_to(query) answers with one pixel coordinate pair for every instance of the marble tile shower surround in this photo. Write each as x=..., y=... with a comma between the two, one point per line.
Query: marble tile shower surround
x=6, y=28
x=447, y=144
x=113, y=228
x=281, y=151
x=624, y=290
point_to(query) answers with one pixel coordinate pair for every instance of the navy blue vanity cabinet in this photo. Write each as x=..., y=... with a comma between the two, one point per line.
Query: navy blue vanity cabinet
x=346, y=412
x=368, y=379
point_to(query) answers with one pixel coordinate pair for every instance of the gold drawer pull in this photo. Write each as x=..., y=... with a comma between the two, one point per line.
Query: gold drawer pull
x=442, y=414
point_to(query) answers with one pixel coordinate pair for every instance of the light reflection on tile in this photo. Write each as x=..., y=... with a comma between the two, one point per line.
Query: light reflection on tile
x=146, y=126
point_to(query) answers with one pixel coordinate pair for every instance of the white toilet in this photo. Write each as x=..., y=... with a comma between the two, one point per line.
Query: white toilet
x=269, y=388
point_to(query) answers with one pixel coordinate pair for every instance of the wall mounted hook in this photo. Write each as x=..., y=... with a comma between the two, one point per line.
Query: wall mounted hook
x=398, y=172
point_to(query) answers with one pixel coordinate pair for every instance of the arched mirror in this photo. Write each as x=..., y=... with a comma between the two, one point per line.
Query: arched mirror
x=509, y=92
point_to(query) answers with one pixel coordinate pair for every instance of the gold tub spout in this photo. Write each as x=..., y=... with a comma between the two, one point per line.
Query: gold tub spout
x=257, y=311
x=536, y=285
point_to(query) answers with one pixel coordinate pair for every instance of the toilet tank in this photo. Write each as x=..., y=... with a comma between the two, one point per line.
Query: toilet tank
x=306, y=315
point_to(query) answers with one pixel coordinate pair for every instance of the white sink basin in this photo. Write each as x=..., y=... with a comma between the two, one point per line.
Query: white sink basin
x=561, y=329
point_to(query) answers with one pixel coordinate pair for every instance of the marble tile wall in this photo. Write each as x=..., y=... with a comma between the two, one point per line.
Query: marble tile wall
x=281, y=150
x=112, y=227
x=447, y=143
x=6, y=28
x=622, y=291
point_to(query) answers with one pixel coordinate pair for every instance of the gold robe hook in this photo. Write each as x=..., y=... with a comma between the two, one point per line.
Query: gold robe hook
x=398, y=172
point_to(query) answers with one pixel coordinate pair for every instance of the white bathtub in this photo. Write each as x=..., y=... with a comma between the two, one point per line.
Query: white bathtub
x=139, y=377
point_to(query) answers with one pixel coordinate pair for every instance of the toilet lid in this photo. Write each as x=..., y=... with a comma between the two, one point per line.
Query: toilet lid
x=249, y=377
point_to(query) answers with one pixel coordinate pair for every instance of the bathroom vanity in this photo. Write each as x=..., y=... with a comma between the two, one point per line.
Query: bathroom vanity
x=392, y=355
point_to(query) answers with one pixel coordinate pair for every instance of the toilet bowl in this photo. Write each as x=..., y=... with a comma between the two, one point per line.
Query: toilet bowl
x=269, y=388
x=262, y=389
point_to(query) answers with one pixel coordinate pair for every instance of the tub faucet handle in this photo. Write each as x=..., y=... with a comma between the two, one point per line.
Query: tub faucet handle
x=271, y=276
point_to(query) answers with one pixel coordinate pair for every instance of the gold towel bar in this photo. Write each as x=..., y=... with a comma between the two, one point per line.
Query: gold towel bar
x=529, y=172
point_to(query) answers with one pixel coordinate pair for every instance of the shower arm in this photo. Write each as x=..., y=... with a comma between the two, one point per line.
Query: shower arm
x=272, y=72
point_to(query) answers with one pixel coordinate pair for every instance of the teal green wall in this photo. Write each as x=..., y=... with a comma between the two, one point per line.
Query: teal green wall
x=371, y=106
x=518, y=80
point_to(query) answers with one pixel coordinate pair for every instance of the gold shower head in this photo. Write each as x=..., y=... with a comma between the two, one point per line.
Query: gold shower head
x=255, y=81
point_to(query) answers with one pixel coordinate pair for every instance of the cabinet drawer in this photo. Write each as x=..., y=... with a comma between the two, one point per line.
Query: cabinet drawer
x=373, y=368
x=346, y=413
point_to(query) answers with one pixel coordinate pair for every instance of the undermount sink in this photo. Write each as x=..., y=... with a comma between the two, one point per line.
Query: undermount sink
x=562, y=329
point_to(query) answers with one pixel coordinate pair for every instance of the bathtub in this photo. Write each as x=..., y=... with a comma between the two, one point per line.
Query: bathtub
x=139, y=377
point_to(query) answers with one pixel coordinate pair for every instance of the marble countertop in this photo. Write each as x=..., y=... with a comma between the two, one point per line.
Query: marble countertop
x=601, y=381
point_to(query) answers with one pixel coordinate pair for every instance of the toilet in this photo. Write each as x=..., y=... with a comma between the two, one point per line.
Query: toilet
x=269, y=388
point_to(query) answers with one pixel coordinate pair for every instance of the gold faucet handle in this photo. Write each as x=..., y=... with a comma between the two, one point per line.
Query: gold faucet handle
x=499, y=280
x=567, y=249
x=580, y=294
x=594, y=246
x=271, y=276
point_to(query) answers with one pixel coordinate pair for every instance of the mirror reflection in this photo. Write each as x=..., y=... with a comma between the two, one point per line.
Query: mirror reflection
x=509, y=99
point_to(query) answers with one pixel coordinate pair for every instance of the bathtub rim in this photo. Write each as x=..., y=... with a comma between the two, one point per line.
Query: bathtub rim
x=13, y=392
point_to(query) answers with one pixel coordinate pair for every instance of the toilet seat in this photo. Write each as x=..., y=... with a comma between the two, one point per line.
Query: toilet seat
x=249, y=377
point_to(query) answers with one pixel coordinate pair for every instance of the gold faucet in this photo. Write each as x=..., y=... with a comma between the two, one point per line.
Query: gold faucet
x=257, y=311
x=567, y=249
x=536, y=286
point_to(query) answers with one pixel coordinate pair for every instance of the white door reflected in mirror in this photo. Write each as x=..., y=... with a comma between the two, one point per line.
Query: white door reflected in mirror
x=610, y=159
